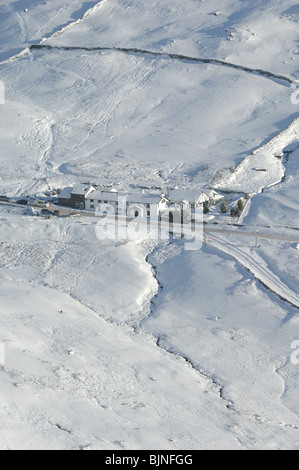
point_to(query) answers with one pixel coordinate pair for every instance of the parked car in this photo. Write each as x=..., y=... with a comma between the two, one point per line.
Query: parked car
x=41, y=203
x=23, y=202
x=46, y=212
x=4, y=198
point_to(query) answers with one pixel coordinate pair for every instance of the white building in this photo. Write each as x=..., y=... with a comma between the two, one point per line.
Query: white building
x=152, y=205
x=213, y=196
x=146, y=205
x=126, y=204
x=192, y=199
x=188, y=199
x=105, y=198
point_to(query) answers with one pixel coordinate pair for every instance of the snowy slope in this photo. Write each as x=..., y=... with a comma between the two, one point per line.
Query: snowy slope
x=234, y=335
x=24, y=23
x=245, y=32
x=85, y=343
x=148, y=346
x=90, y=108
x=121, y=109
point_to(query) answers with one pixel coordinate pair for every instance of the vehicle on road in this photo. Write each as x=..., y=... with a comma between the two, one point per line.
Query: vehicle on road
x=46, y=212
x=23, y=202
x=40, y=203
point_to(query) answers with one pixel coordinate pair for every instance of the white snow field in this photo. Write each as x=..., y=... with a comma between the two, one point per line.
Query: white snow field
x=96, y=113
x=147, y=345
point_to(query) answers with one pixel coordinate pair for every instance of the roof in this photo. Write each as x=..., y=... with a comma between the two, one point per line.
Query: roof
x=109, y=196
x=137, y=198
x=100, y=195
x=144, y=198
x=213, y=194
x=180, y=195
x=65, y=193
x=83, y=189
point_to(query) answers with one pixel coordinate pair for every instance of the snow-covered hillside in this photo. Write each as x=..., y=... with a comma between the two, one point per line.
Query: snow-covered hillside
x=147, y=345
x=72, y=112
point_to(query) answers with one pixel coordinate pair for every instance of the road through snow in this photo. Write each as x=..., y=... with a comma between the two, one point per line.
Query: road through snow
x=257, y=266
